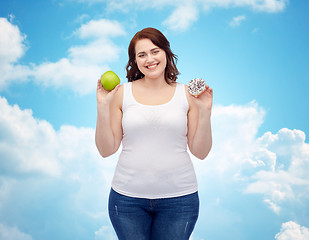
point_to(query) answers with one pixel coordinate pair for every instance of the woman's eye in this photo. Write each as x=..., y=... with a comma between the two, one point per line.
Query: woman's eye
x=142, y=55
x=155, y=52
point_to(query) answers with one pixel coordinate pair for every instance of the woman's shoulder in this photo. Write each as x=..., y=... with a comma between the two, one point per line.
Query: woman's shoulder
x=184, y=86
x=188, y=96
x=118, y=96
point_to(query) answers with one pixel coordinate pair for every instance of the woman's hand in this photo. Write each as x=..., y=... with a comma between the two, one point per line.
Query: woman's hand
x=204, y=101
x=104, y=96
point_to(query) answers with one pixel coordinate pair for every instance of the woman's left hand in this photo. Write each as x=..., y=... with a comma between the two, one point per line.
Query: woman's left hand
x=204, y=101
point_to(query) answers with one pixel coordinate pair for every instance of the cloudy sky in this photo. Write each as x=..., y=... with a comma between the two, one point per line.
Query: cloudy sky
x=253, y=53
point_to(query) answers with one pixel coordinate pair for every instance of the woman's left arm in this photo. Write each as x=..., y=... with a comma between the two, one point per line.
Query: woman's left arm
x=199, y=125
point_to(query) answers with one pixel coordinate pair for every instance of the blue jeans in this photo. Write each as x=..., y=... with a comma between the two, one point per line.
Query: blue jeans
x=153, y=219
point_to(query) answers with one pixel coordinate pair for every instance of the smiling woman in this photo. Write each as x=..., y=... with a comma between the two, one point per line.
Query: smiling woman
x=158, y=45
x=150, y=59
x=154, y=189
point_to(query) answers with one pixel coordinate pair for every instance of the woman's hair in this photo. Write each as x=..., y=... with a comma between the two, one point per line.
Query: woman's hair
x=158, y=39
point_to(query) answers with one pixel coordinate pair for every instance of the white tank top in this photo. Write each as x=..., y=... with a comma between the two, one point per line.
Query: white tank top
x=154, y=162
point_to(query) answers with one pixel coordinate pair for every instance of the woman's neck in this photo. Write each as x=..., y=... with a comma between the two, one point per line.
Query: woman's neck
x=154, y=83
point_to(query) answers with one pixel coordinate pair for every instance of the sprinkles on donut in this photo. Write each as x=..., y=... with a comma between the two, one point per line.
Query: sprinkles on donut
x=196, y=86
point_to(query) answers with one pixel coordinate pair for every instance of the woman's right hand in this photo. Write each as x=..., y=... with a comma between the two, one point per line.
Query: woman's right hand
x=104, y=96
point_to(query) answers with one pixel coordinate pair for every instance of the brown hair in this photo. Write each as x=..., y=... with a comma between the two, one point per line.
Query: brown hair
x=158, y=39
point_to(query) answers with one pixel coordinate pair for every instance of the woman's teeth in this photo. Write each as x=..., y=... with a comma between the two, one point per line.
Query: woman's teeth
x=152, y=66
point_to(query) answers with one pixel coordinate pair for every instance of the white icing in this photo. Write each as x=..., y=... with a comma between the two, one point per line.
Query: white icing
x=196, y=86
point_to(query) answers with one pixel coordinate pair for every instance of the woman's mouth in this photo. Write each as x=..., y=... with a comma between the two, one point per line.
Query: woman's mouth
x=152, y=66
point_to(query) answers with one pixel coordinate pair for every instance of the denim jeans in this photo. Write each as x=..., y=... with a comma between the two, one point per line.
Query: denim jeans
x=153, y=219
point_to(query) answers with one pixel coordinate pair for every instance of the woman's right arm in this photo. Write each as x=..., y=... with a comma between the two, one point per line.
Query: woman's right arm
x=108, y=133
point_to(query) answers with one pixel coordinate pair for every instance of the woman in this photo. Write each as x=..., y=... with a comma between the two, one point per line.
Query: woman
x=154, y=189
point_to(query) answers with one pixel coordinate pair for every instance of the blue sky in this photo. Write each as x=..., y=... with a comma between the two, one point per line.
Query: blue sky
x=254, y=54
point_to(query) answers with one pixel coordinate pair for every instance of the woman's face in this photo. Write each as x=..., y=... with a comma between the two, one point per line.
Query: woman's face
x=150, y=59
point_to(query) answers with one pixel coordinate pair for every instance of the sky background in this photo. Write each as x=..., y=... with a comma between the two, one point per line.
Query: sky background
x=253, y=53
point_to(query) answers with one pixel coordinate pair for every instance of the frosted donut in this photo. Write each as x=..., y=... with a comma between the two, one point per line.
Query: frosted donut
x=196, y=86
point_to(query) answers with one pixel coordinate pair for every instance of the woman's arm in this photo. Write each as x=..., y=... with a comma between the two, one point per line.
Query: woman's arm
x=108, y=133
x=199, y=124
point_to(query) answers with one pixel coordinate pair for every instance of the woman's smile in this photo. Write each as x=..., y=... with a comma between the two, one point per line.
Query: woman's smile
x=150, y=59
x=152, y=66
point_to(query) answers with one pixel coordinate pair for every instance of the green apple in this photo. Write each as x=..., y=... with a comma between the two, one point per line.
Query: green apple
x=109, y=80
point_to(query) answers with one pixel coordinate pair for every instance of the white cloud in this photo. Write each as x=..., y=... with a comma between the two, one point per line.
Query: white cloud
x=78, y=71
x=182, y=17
x=186, y=12
x=237, y=20
x=234, y=128
x=50, y=176
x=102, y=28
x=12, y=233
x=292, y=231
x=273, y=206
x=259, y=5
x=12, y=42
x=30, y=146
x=96, y=52
x=21, y=138
x=288, y=181
x=105, y=233
x=66, y=73
x=274, y=166
x=12, y=48
x=269, y=5
x=85, y=63
x=62, y=170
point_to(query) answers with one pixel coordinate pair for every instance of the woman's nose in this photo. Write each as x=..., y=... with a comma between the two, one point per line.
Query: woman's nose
x=149, y=58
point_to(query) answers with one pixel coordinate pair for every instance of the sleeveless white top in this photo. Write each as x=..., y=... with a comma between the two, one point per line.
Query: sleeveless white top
x=154, y=162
